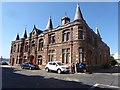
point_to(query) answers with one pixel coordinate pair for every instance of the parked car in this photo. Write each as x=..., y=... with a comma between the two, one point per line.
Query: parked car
x=57, y=66
x=29, y=65
x=3, y=63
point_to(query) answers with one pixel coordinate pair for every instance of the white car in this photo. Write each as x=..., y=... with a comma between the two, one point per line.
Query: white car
x=57, y=66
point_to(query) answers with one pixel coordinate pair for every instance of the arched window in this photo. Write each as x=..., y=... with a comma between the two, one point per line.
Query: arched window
x=15, y=48
x=18, y=48
x=26, y=46
x=81, y=54
x=40, y=46
x=66, y=35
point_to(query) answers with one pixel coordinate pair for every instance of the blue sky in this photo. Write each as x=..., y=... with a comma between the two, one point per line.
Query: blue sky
x=16, y=15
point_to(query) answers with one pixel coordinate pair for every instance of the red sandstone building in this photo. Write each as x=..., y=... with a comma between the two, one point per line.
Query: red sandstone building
x=70, y=42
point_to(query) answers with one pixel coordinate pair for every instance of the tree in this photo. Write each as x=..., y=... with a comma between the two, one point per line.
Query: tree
x=112, y=61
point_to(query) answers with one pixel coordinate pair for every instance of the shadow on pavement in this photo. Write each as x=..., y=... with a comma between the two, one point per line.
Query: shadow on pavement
x=113, y=69
x=12, y=80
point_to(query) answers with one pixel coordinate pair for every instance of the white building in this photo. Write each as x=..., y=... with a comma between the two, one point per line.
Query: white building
x=117, y=57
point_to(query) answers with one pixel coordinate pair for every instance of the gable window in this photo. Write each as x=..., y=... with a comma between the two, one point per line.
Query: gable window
x=33, y=43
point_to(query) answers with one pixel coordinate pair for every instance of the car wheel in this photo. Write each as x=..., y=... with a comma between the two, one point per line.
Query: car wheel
x=59, y=71
x=22, y=67
x=47, y=69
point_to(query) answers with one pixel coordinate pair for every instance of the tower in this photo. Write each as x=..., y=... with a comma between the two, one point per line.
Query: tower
x=65, y=19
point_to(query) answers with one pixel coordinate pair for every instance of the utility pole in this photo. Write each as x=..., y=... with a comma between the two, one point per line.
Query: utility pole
x=1, y=58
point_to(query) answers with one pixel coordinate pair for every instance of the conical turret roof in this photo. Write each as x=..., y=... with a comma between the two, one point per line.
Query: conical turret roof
x=49, y=25
x=24, y=34
x=78, y=14
x=17, y=37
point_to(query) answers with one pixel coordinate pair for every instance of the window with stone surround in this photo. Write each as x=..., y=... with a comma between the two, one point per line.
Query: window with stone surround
x=80, y=32
x=40, y=46
x=81, y=54
x=21, y=47
x=80, y=27
x=66, y=55
x=66, y=36
x=51, y=55
x=51, y=38
x=26, y=47
x=14, y=48
x=18, y=48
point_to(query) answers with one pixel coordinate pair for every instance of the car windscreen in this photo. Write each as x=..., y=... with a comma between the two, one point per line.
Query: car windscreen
x=59, y=63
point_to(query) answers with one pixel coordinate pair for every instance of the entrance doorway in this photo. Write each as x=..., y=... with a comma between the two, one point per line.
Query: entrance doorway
x=39, y=60
x=13, y=61
x=32, y=59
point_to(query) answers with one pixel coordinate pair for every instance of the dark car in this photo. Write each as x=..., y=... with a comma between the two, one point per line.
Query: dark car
x=3, y=63
x=29, y=65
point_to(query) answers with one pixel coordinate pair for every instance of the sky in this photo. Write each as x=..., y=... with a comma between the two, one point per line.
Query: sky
x=16, y=16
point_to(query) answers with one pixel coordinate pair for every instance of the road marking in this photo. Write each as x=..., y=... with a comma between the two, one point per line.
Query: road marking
x=5, y=66
x=95, y=85
x=109, y=86
x=71, y=79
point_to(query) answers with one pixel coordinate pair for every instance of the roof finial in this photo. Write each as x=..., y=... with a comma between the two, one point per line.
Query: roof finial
x=97, y=31
x=65, y=13
x=96, y=27
x=34, y=26
x=25, y=27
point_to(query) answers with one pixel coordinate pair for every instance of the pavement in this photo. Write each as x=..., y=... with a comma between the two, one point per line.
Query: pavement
x=96, y=79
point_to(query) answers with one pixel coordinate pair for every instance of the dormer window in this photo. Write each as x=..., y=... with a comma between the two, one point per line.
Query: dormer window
x=34, y=33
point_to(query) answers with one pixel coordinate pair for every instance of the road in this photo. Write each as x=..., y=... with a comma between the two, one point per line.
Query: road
x=13, y=77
